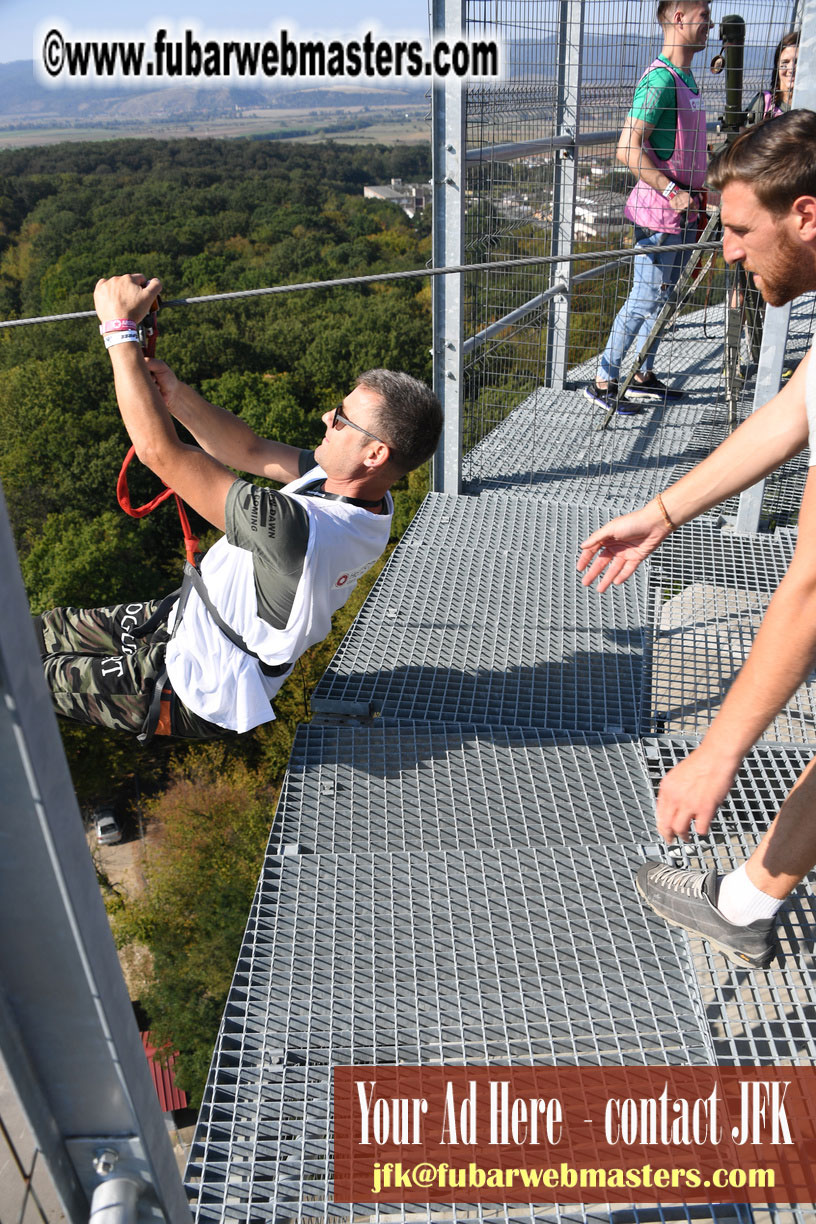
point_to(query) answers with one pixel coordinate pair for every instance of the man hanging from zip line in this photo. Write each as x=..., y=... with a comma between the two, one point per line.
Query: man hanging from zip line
x=768, y=183
x=208, y=662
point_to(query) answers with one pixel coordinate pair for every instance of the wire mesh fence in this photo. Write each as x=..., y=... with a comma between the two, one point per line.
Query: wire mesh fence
x=545, y=179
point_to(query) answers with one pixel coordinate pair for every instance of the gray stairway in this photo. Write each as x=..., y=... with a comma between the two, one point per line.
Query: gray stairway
x=449, y=873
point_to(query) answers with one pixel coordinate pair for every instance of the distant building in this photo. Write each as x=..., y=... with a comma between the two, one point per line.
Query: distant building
x=600, y=213
x=161, y=1064
x=411, y=197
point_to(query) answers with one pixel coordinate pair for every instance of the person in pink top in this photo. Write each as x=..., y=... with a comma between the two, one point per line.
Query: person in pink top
x=663, y=143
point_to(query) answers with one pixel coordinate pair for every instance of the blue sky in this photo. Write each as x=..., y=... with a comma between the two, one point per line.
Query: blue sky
x=21, y=19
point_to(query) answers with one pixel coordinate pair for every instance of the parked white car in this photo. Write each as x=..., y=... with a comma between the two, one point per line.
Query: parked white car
x=108, y=829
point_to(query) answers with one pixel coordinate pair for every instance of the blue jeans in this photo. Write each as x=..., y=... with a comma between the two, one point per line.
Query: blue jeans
x=655, y=276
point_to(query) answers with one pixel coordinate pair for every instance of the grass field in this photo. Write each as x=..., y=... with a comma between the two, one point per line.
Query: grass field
x=352, y=125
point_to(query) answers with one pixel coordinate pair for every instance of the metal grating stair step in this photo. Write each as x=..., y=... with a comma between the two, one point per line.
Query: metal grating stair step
x=516, y=956
x=425, y=787
x=505, y=637
x=452, y=882
x=760, y=1017
x=710, y=589
x=550, y=446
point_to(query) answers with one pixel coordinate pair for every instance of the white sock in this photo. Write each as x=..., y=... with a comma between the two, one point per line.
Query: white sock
x=741, y=902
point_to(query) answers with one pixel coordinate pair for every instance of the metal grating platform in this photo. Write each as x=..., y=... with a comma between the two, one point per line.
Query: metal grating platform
x=494, y=637
x=550, y=446
x=498, y=523
x=455, y=882
x=710, y=591
x=295, y=1113
x=423, y=786
x=424, y=958
x=783, y=491
x=759, y=1017
x=703, y=552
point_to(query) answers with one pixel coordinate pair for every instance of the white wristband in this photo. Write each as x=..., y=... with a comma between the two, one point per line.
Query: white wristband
x=124, y=337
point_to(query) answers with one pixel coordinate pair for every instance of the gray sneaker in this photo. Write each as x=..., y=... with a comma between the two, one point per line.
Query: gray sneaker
x=688, y=899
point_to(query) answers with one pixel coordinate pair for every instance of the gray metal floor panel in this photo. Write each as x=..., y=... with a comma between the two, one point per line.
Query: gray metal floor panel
x=551, y=447
x=782, y=496
x=691, y=351
x=498, y=523
x=505, y=638
x=422, y=786
x=690, y=354
x=425, y=959
x=235, y=1175
x=763, y=1017
x=702, y=551
x=469, y=901
x=710, y=591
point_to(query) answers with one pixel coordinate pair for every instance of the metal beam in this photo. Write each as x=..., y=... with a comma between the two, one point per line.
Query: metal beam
x=570, y=33
x=448, y=175
x=548, y=144
x=67, y=1030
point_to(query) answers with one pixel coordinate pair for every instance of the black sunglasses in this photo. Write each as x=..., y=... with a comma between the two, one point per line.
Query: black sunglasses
x=343, y=420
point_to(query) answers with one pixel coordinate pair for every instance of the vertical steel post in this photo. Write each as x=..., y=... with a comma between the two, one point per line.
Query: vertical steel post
x=67, y=1031
x=449, y=101
x=567, y=118
x=777, y=318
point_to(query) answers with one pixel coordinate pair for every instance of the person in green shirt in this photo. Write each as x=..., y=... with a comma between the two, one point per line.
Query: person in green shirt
x=663, y=143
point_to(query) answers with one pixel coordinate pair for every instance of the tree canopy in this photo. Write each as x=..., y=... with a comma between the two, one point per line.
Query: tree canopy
x=206, y=217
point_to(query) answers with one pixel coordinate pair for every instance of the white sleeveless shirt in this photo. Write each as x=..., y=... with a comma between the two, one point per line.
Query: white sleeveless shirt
x=216, y=679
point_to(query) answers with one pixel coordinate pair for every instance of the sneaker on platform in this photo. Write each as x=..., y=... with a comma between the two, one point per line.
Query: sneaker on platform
x=652, y=390
x=607, y=397
x=688, y=899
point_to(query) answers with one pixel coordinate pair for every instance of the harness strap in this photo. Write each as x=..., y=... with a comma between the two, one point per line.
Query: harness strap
x=194, y=581
x=191, y=542
x=155, y=619
x=150, y=726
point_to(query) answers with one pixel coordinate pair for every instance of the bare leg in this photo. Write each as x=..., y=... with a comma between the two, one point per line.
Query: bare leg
x=787, y=851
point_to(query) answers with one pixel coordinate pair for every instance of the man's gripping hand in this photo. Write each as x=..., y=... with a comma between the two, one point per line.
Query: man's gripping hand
x=125, y=297
x=167, y=382
x=616, y=550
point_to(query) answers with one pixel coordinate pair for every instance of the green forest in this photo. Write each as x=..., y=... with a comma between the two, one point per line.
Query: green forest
x=206, y=217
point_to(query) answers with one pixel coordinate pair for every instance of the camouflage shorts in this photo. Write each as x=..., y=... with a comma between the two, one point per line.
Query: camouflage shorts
x=99, y=672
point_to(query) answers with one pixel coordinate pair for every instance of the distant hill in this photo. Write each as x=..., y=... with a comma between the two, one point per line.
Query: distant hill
x=22, y=97
x=610, y=60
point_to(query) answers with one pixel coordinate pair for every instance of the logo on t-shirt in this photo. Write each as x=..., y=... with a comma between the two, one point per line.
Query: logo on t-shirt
x=351, y=576
x=262, y=511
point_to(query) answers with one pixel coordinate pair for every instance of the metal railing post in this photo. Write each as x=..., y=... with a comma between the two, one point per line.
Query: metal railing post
x=449, y=100
x=568, y=95
x=777, y=318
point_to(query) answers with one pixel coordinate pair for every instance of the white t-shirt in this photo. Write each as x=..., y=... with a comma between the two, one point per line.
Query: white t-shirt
x=213, y=677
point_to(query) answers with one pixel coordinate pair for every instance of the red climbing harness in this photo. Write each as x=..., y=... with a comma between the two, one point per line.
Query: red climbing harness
x=148, y=331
